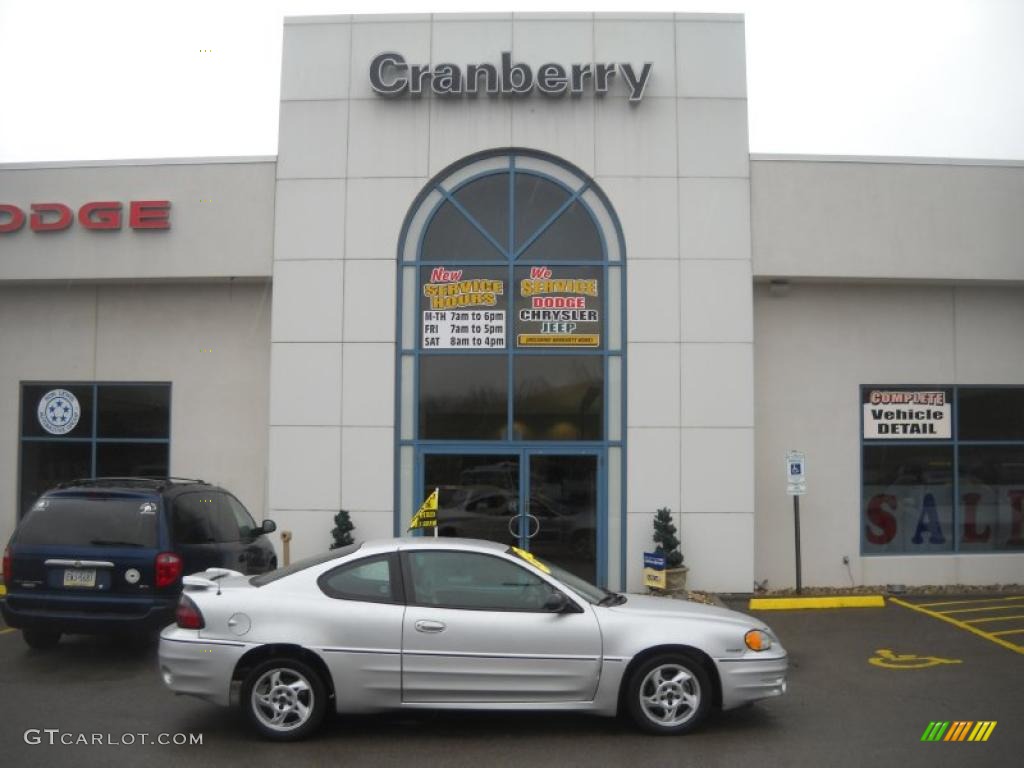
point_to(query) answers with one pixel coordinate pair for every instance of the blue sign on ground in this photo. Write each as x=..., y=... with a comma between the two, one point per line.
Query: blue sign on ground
x=654, y=560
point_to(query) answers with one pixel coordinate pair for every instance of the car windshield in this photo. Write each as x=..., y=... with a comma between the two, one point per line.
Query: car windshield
x=582, y=587
x=301, y=565
x=92, y=521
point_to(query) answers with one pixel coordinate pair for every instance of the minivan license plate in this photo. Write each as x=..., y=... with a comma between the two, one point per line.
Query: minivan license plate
x=75, y=577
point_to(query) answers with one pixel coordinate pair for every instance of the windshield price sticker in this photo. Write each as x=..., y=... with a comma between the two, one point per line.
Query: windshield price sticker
x=462, y=311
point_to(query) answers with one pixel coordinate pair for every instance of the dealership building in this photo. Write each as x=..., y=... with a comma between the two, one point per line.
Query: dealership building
x=528, y=260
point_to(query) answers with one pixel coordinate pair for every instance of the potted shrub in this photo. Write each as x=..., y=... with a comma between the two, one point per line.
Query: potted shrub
x=342, y=531
x=668, y=545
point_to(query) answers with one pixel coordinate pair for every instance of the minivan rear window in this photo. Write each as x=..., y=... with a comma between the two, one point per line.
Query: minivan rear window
x=100, y=521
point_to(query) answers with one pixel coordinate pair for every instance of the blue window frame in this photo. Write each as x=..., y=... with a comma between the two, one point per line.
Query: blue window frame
x=942, y=469
x=487, y=225
x=88, y=429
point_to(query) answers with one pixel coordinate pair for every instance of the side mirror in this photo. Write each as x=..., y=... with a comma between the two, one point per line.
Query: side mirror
x=269, y=526
x=557, y=602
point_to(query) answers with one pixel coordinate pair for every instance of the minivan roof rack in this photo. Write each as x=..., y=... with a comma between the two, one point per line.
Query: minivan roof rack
x=148, y=482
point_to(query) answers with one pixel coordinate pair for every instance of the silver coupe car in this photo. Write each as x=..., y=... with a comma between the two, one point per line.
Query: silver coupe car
x=443, y=623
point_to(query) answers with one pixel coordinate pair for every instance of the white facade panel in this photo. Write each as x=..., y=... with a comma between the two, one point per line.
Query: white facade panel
x=388, y=138
x=714, y=219
x=717, y=470
x=711, y=59
x=652, y=469
x=367, y=465
x=638, y=42
x=297, y=371
x=311, y=140
x=306, y=306
x=368, y=386
x=315, y=61
x=647, y=210
x=369, y=301
x=716, y=549
x=715, y=297
x=373, y=219
x=634, y=141
x=717, y=385
x=305, y=468
x=654, y=298
x=310, y=221
x=713, y=138
x=653, y=375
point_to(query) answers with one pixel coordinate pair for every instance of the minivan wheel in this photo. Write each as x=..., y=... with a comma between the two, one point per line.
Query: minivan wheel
x=668, y=694
x=40, y=639
x=284, y=699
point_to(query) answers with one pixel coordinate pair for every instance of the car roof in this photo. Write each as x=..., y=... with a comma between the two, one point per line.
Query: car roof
x=155, y=485
x=431, y=542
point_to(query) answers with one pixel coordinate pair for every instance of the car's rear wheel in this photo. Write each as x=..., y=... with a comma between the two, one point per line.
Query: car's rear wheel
x=669, y=694
x=40, y=639
x=285, y=699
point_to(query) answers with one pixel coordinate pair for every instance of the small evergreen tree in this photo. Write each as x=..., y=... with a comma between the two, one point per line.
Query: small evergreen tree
x=665, y=538
x=342, y=531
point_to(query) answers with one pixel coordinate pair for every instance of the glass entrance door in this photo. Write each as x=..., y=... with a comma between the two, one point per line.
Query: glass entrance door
x=481, y=497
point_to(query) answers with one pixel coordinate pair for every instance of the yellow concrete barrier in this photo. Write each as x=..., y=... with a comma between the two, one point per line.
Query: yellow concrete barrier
x=798, y=603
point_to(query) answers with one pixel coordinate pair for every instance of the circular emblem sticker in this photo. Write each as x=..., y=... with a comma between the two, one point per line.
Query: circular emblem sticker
x=132, y=576
x=59, y=411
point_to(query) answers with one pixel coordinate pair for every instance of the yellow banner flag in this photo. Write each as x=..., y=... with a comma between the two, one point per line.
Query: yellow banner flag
x=426, y=516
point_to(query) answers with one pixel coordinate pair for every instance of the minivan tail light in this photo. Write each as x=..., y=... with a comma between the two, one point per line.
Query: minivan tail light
x=188, y=615
x=8, y=567
x=168, y=569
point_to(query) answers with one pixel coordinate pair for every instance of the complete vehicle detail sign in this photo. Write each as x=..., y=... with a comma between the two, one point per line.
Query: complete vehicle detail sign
x=391, y=75
x=903, y=414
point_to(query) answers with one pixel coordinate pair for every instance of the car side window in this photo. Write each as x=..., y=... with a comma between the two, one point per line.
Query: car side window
x=474, y=581
x=222, y=518
x=190, y=519
x=371, y=579
x=243, y=519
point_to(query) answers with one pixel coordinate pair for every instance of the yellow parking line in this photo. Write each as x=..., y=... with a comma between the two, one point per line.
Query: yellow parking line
x=963, y=625
x=5, y=631
x=976, y=610
x=996, y=618
x=797, y=603
x=1007, y=632
x=980, y=600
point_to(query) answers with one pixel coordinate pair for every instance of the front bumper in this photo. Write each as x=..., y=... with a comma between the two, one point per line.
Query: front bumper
x=197, y=667
x=750, y=679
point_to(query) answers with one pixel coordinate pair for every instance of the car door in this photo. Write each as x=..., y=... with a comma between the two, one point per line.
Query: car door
x=192, y=532
x=256, y=550
x=476, y=630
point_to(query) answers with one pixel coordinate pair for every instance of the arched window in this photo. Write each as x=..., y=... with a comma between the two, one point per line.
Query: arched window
x=510, y=359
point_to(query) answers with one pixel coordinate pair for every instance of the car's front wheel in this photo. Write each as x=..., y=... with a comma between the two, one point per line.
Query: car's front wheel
x=285, y=699
x=669, y=694
x=40, y=639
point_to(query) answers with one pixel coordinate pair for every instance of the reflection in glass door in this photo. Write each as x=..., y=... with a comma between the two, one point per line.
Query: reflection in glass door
x=561, y=515
x=479, y=498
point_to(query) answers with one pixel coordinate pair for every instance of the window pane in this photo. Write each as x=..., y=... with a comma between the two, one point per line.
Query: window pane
x=991, y=498
x=537, y=200
x=132, y=459
x=243, y=519
x=463, y=397
x=991, y=414
x=134, y=411
x=478, y=494
x=367, y=580
x=907, y=499
x=486, y=200
x=559, y=397
x=572, y=237
x=559, y=307
x=83, y=522
x=475, y=581
x=450, y=237
x=191, y=520
x=58, y=411
x=44, y=464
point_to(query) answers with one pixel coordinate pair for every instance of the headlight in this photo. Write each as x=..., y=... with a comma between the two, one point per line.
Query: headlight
x=757, y=640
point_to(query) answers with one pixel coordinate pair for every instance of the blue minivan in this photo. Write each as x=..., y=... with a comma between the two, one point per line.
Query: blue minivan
x=106, y=555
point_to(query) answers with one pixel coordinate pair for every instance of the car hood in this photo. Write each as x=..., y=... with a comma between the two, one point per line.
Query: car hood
x=666, y=608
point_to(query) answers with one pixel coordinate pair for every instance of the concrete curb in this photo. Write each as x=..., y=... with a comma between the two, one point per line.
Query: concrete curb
x=803, y=603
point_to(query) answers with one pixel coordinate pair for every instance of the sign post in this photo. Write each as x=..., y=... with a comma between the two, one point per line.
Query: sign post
x=796, y=486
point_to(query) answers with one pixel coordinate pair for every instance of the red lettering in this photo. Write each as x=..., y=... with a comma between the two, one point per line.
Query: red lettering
x=442, y=275
x=17, y=220
x=63, y=220
x=878, y=514
x=971, y=533
x=149, y=214
x=1017, y=521
x=540, y=273
x=100, y=215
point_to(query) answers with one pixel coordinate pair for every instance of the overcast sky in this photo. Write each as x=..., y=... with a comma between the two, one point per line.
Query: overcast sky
x=104, y=79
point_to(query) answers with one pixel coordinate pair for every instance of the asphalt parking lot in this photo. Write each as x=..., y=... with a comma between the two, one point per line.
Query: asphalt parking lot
x=842, y=708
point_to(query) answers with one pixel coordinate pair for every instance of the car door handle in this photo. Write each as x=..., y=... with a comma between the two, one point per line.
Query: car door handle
x=429, y=626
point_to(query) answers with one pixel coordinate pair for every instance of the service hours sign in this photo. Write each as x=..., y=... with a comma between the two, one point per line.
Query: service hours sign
x=463, y=308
